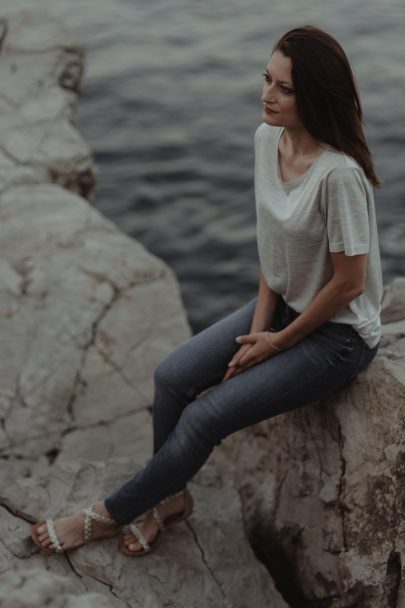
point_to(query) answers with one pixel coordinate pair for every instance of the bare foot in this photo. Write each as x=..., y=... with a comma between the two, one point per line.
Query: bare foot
x=148, y=525
x=70, y=530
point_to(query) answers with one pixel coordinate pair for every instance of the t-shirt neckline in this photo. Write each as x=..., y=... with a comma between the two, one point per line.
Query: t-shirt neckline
x=296, y=180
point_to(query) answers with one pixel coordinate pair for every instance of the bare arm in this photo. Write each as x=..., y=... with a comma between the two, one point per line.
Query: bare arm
x=347, y=283
x=265, y=306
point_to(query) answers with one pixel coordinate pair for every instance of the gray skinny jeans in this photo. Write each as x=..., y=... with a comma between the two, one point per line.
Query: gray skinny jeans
x=187, y=425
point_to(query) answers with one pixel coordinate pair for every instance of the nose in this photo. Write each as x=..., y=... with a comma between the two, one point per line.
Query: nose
x=268, y=94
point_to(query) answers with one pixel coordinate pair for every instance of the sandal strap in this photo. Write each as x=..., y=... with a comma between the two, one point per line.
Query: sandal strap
x=53, y=536
x=171, y=497
x=138, y=533
x=155, y=512
x=89, y=515
x=158, y=518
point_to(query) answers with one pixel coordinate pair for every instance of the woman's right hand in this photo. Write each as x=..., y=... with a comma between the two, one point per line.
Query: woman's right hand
x=233, y=367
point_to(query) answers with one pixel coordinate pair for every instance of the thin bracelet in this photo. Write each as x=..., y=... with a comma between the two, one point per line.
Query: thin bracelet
x=271, y=343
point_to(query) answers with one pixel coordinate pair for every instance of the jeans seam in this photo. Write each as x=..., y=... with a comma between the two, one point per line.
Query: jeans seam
x=359, y=362
x=285, y=394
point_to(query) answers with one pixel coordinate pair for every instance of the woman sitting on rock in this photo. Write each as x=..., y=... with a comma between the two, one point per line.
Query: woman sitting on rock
x=315, y=322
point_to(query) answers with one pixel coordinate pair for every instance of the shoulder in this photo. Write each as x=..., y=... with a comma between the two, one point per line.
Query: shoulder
x=265, y=133
x=342, y=173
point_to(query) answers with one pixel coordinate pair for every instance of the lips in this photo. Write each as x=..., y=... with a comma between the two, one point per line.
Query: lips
x=269, y=110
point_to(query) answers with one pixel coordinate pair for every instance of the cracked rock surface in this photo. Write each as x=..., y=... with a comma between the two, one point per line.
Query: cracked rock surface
x=86, y=314
x=323, y=487
x=206, y=561
x=41, y=66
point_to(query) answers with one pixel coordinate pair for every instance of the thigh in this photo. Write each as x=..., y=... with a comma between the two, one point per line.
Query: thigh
x=316, y=366
x=202, y=360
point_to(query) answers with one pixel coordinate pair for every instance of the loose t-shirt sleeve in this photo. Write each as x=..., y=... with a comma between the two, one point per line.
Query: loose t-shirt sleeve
x=345, y=211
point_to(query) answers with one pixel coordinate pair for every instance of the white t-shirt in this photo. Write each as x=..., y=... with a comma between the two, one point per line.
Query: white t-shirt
x=327, y=209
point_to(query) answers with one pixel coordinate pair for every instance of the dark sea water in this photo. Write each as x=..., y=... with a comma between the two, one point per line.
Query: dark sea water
x=169, y=105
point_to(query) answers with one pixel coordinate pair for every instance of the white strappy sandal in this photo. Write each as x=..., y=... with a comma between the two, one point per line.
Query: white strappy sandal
x=162, y=524
x=89, y=516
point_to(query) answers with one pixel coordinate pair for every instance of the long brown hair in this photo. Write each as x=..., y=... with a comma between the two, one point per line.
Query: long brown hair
x=326, y=94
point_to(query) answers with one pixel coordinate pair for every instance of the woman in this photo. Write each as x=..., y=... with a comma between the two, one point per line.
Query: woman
x=315, y=322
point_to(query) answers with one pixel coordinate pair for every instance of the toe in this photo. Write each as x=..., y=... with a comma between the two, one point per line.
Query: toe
x=43, y=536
x=132, y=543
x=46, y=543
x=128, y=540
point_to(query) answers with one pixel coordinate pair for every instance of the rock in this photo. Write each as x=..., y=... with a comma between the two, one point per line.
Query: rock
x=85, y=317
x=323, y=487
x=41, y=66
x=393, y=302
x=37, y=587
x=37, y=32
x=86, y=314
x=204, y=552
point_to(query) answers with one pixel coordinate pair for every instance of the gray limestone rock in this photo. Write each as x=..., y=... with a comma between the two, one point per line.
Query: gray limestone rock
x=194, y=564
x=323, y=487
x=84, y=319
x=41, y=66
x=393, y=303
x=33, y=587
x=86, y=314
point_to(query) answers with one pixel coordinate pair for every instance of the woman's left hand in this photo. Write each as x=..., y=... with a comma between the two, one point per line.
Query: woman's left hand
x=264, y=344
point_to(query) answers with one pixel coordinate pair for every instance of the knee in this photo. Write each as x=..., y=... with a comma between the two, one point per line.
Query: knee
x=161, y=373
x=167, y=374
x=175, y=373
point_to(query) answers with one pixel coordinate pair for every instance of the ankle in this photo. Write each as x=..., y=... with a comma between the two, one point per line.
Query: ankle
x=102, y=510
x=176, y=497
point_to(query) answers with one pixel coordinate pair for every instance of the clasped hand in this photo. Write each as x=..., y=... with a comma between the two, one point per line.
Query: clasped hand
x=255, y=348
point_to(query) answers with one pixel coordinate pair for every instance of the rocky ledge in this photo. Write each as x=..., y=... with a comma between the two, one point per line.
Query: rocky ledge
x=323, y=487
x=86, y=314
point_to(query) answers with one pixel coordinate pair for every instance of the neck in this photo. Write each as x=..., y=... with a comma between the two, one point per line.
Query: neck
x=299, y=143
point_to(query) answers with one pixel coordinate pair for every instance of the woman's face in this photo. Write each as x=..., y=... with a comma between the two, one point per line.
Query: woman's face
x=278, y=94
